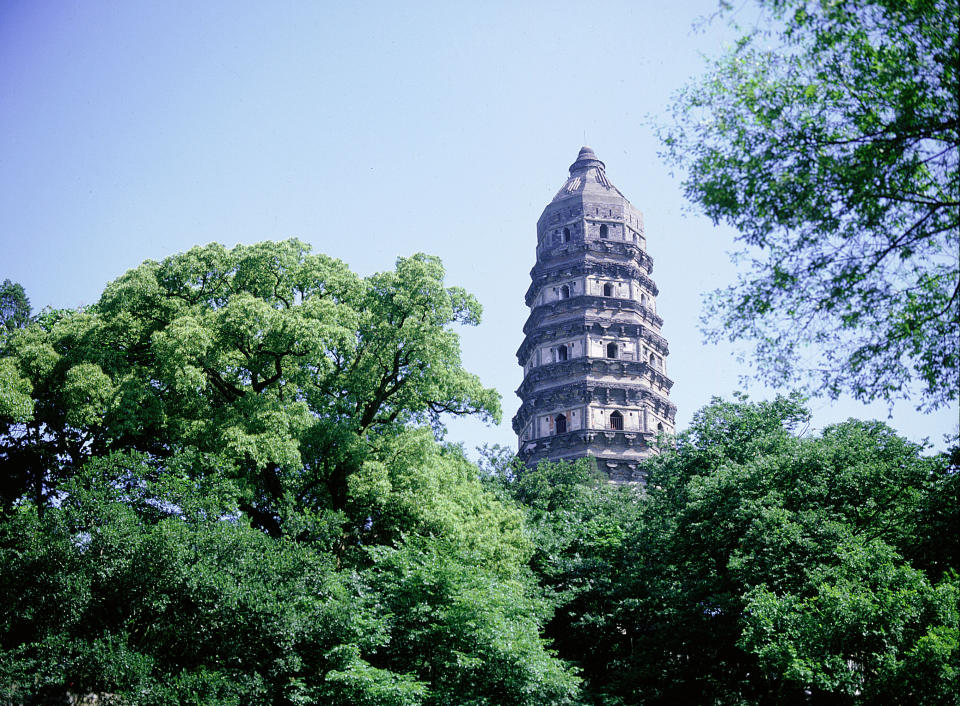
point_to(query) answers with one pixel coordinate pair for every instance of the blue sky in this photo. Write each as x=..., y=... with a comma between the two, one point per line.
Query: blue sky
x=134, y=130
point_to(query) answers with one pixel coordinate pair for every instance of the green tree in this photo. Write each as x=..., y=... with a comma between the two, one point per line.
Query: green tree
x=14, y=306
x=283, y=361
x=789, y=566
x=133, y=586
x=16, y=403
x=829, y=138
x=226, y=487
x=471, y=633
x=759, y=565
x=583, y=527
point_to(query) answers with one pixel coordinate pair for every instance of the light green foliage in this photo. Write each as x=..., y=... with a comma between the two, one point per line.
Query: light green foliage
x=16, y=404
x=867, y=627
x=283, y=361
x=231, y=491
x=71, y=399
x=87, y=392
x=356, y=681
x=421, y=488
x=828, y=137
x=471, y=632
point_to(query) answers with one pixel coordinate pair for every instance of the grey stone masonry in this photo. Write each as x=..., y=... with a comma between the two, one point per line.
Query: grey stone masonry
x=594, y=362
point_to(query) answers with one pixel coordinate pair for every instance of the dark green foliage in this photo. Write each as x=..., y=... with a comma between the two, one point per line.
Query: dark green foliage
x=829, y=138
x=162, y=607
x=757, y=566
x=14, y=307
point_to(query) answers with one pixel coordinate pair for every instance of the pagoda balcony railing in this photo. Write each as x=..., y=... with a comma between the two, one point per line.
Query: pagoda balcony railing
x=583, y=302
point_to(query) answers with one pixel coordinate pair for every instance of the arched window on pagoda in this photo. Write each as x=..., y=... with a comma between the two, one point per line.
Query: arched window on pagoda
x=566, y=235
x=616, y=421
x=564, y=292
x=608, y=290
x=562, y=353
x=603, y=230
x=561, y=423
x=611, y=350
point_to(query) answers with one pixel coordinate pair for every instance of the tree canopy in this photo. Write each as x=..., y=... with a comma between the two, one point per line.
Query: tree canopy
x=282, y=363
x=758, y=565
x=829, y=138
x=224, y=483
x=14, y=306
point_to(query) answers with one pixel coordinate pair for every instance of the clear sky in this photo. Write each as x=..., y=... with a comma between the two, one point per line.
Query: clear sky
x=133, y=130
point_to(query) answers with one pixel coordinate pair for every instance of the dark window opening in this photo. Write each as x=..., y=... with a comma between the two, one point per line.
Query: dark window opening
x=659, y=426
x=611, y=350
x=564, y=292
x=616, y=421
x=561, y=421
x=562, y=353
x=608, y=290
x=603, y=230
x=566, y=235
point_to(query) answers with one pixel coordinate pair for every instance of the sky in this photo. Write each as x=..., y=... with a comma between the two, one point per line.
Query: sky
x=134, y=130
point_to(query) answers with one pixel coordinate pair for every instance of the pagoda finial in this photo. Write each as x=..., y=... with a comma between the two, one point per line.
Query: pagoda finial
x=585, y=160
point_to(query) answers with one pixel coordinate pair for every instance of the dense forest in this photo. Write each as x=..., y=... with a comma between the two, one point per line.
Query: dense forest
x=222, y=484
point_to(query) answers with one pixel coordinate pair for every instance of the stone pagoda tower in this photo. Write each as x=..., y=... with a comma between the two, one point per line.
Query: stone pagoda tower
x=594, y=373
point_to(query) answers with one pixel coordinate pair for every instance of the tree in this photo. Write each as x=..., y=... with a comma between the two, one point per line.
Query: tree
x=831, y=143
x=759, y=565
x=788, y=567
x=14, y=306
x=283, y=362
x=223, y=483
x=583, y=528
x=150, y=584
x=16, y=404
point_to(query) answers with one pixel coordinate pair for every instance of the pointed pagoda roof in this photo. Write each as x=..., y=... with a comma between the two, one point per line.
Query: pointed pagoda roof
x=588, y=178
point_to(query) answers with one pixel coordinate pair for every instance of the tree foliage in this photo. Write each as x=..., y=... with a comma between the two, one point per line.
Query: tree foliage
x=757, y=566
x=222, y=483
x=829, y=138
x=283, y=362
x=14, y=306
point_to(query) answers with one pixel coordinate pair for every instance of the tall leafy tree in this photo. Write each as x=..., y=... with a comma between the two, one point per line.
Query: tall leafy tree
x=829, y=138
x=150, y=584
x=283, y=361
x=14, y=306
x=223, y=483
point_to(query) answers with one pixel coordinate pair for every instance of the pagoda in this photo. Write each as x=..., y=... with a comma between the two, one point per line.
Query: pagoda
x=594, y=361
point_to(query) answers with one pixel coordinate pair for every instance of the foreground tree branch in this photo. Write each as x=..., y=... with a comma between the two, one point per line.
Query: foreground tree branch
x=830, y=141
